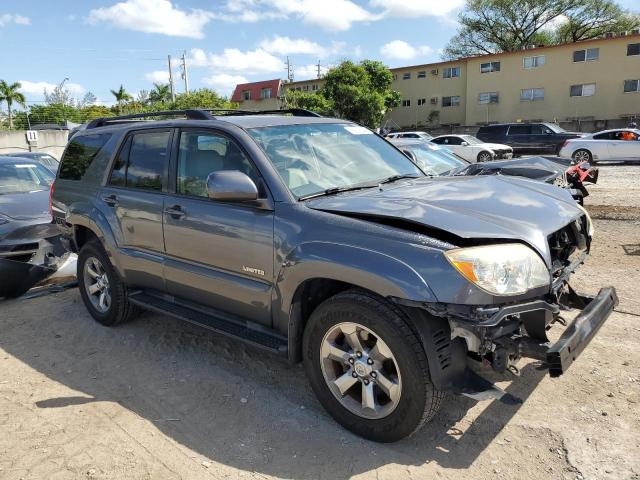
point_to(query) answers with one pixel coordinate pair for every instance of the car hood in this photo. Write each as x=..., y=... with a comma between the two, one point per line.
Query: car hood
x=26, y=206
x=484, y=207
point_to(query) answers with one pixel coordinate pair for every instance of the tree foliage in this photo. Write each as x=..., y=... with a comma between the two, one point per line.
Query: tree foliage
x=361, y=92
x=10, y=94
x=314, y=101
x=493, y=26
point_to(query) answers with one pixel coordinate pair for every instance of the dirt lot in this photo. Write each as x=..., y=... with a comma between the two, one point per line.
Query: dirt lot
x=159, y=399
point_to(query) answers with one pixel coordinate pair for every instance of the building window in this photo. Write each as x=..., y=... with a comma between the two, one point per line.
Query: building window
x=451, y=72
x=633, y=49
x=265, y=93
x=406, y=76
x=585, y=90
x=489, y=67
x=534, y=62
x=406, y=103
x=631, y=86
x=422, y=101
x=587, y=55
x=314, y=87
x=488, y=97
x=395, y=76
x=422, y=74
x=532, y=94
x=451, y=101
x=246, y=94
x=305, y=88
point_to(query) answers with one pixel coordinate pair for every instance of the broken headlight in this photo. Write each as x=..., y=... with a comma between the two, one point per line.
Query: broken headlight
x=506, y=269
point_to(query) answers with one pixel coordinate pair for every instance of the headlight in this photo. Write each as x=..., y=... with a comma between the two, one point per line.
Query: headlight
x=507, y=269
x=590, y=229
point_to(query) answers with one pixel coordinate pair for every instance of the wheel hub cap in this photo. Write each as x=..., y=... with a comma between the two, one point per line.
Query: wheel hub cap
x=360, y=370
x=96, y=284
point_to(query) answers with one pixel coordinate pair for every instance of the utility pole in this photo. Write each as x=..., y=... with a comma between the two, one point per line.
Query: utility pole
x=173, y=92
x=185, y=75
x=289, y=70
x=318, y=68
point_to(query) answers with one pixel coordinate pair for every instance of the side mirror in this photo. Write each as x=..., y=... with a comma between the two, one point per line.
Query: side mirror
x=231, y=186
x=465, y=144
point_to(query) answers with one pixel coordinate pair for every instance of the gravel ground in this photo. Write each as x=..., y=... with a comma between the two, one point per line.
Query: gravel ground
x=161, y=399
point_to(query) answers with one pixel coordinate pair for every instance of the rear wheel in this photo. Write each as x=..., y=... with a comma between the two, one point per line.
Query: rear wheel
x=368, y=368
x=484, y=157
x=582, y=155
x=103, y=292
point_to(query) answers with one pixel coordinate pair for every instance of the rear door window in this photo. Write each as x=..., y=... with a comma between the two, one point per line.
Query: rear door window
x=79, y=154
x=142, y=162
x=520, y=130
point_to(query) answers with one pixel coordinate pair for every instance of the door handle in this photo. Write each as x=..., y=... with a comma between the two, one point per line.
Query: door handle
x=176, y=211
x=110, y=200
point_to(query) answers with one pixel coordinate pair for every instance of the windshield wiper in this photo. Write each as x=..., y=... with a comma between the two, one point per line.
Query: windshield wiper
x=400, y=176
x=334, y=190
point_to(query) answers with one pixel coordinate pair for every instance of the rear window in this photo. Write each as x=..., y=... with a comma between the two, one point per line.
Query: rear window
x=493, y=130
x=520, y=130
x=79, y=154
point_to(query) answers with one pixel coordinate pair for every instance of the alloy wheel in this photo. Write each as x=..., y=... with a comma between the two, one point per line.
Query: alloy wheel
x=360, y=370
x=581, y=156
x=96, y=284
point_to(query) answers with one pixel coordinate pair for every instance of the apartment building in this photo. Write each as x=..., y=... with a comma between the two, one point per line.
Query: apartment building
x=592, y=81
x=264, y=95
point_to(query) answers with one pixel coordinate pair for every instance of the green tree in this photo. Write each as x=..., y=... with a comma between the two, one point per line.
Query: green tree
x=314, y=101
x=361, y=92
x=202, y=98
x=9, y=93
x=594, y=18
x=122, y=96
x=493, y=26
x=161, y=93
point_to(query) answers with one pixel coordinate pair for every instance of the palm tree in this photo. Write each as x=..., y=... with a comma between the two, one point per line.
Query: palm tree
x=160, y=93
x=10, y=94
x=121, y=96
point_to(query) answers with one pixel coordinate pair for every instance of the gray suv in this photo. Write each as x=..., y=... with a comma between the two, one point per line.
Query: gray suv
x=317, y=239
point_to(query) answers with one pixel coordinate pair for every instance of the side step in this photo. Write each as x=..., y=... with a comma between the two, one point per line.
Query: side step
x=235, y=329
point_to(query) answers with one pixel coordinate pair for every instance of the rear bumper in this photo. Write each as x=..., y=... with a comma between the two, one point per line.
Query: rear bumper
x=581, y=331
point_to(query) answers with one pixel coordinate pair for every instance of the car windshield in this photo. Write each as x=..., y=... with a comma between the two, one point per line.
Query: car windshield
x=313, y=158
x=435, y=162
x=555, y=128
x=23, y=177
x=471, y=140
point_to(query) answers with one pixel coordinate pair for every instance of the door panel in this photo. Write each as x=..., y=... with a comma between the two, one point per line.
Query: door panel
x=218, y=254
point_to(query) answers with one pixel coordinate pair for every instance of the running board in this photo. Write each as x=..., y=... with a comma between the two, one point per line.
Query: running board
x=238, y=330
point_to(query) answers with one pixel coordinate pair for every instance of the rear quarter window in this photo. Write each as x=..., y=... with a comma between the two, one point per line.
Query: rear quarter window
x=79, y=154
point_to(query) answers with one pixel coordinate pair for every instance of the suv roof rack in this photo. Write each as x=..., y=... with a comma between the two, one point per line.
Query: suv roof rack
x=196, y=114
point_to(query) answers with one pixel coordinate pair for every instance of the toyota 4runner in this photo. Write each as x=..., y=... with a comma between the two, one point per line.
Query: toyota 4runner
x=317, y=239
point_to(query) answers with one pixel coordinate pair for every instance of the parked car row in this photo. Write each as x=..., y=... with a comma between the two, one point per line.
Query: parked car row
x=499, y=141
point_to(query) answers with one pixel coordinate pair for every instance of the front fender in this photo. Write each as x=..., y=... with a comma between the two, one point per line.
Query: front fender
x=367, y=269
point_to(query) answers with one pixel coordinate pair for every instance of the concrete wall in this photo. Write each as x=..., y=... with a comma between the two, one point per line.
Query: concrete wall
x=52, y=142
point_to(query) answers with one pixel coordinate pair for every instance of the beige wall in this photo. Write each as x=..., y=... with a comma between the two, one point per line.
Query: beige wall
x=556, y=77
x=52, y=142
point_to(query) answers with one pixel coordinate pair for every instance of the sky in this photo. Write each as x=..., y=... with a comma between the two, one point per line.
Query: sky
x=100, y=44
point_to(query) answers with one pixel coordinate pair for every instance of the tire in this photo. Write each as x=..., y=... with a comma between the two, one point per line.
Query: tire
x=582, y=155
x=416, y=399
x=119, y=309
x=484, y=156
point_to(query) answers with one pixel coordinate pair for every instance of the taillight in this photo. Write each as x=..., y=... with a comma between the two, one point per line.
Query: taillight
x=51, y=198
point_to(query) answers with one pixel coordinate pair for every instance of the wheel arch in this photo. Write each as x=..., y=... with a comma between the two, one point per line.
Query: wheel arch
x=96, y=226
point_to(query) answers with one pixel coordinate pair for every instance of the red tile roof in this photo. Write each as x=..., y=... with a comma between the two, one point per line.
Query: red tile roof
x=256, y=89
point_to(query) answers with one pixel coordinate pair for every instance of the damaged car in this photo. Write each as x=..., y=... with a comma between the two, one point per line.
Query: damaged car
x=435, y=160
x=30, y=248
x=316, y=239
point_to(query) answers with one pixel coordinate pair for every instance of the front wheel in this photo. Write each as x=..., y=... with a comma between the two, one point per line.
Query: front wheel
x=484, y=157
x=367, y=367
x=582, y=155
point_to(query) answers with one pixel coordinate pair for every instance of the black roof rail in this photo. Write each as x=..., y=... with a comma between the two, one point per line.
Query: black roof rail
x=197, y=114
x=190, y=114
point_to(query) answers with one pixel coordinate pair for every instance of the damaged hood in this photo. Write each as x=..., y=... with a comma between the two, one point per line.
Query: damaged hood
x=483, y=207
x=537, y=168
x=25, y=206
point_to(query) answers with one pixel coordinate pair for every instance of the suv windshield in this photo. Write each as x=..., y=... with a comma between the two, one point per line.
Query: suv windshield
x=318, y=157
x=435, y=162
x=22, y=177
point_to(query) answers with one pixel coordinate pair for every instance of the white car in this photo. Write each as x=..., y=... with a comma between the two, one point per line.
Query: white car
x=472, y=149
x=619, y=144
x=417, y=135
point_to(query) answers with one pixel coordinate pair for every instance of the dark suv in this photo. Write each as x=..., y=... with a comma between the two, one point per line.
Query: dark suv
x=527, y=138
x=319, y=240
